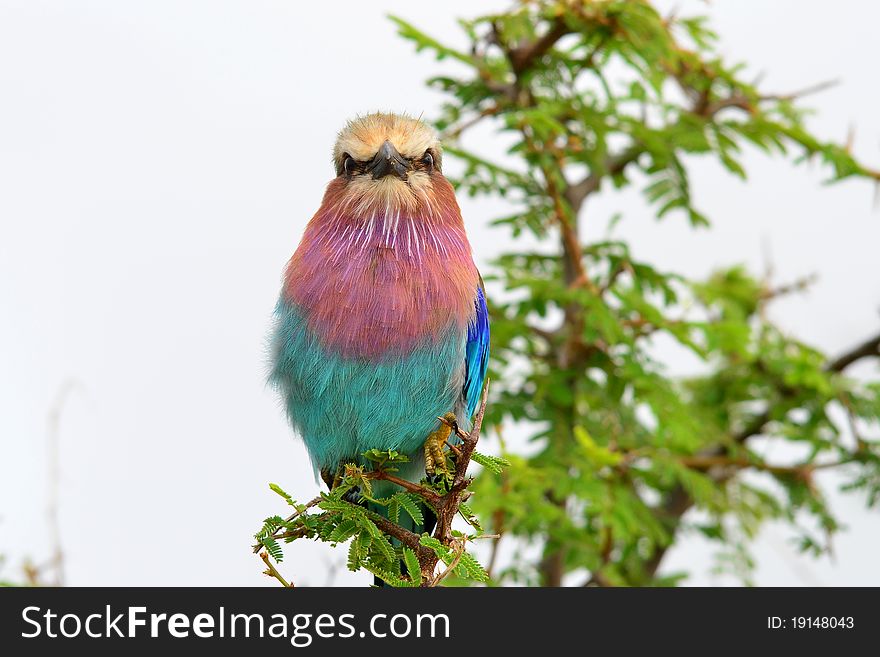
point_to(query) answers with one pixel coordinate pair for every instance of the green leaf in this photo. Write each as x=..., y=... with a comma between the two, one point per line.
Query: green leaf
x=277, y=489
x=344, y=531
x=470, y=568
x=412, y=566
x=434, y=544
x=273, y=548
x=494, y=464
x=410, y=503
x=386, y=576
x=470, y=517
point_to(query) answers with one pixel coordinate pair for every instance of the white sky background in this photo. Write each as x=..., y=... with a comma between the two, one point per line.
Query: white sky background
x=158, y=163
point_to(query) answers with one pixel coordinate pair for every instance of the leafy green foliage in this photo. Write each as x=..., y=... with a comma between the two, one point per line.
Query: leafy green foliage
x=494, y=464
x=412, y=566
x=410, y=504
x=342, y=516
x=386, y=459
x=621, y=450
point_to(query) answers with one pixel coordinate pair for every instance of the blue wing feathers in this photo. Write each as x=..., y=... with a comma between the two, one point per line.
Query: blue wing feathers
x=476, y=353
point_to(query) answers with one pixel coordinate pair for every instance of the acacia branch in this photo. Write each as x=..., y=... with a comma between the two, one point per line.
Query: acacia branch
x=614, y=165
x=869, y=348
x=454, y=132
x=678, y=502
x=428, y=494
x=469, y=443
x=802, y=470
x=446, y=505
x=799, y=285
x=278, y=533
x=577, y=193
x=523, y=57
x=271, y=571
x=449, y=504
x=797, y=95
x=405, y=536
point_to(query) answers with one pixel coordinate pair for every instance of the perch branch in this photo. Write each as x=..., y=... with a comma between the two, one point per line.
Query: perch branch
x=449, y=504
x=428, y=494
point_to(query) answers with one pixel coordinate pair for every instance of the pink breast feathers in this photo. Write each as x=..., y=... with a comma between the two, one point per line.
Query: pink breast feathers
x=382, y=281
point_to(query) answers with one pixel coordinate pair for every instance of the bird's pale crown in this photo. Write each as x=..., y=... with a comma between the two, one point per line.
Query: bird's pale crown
x=364, y=136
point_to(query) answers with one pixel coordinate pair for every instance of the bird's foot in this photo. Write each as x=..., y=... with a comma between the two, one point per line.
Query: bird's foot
x=435, y=455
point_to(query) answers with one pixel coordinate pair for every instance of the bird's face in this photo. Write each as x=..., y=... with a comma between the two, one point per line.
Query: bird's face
x=388, y=159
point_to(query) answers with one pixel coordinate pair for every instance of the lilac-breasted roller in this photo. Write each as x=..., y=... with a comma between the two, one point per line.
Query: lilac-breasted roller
x=381, y=326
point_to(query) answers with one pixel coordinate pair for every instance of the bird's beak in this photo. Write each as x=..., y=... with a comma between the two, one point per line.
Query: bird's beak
x=389, y=162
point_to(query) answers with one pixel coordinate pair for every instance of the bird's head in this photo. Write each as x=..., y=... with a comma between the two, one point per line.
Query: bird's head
x=387, y=158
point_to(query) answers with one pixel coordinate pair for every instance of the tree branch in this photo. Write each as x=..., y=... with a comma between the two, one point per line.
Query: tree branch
x=429, y=495
x=408, y=538
x=678, y=502
x=869, y=348
x=797, y=95
x=803, y=470
x=524, y=56
x=578, y=192
x=277, y=533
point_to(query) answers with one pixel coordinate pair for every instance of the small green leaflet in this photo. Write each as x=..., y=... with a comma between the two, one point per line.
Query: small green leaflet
x=494, y=464
x=412, y=566
x=469, y=567
x=273, y=549
x=410, y=503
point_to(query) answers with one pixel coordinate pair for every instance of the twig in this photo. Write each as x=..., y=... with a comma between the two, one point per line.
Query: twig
x=459, y=551
x=469, y=443
x=449, y=504
x=428, y=494
x=446, y=507
x=578, y=192
x=408, y=538
x=299, y=532
x=807, y=91
x=296, y=514
x=798, y=285
x=271, y=571
x=867, y=349
x=803, y=470
x=523, y=57
x=455, y=131
x=453, y=448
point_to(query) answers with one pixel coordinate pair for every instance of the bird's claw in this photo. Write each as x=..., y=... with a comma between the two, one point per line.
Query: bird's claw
x=435, y=455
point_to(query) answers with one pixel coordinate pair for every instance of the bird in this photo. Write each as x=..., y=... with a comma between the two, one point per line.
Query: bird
x=381, y=331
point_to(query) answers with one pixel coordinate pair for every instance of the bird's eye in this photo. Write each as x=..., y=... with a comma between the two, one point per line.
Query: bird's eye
x=428, y=159
x=347, y=164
